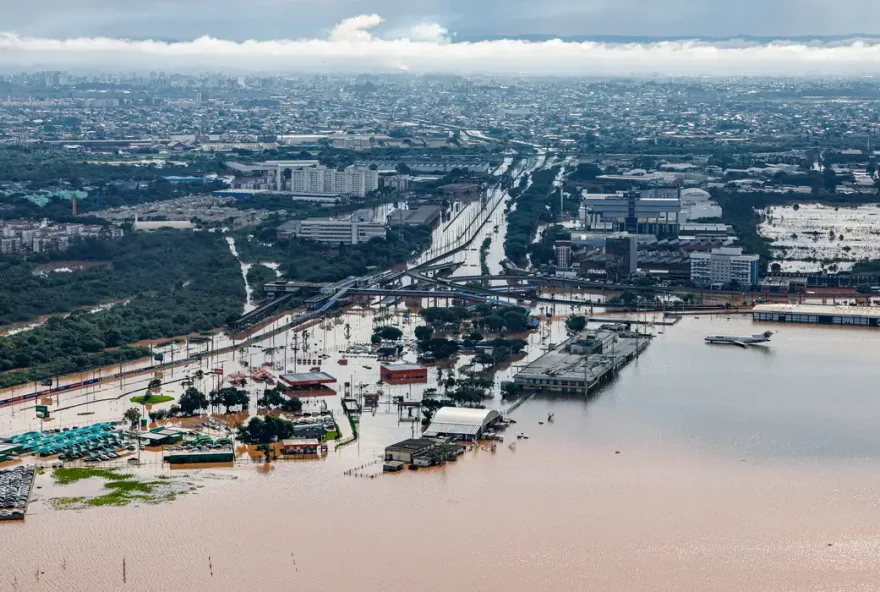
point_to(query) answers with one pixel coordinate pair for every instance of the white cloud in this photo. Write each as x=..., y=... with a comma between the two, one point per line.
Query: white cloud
x=429, y=32
x=356, y=28
x=351, y=46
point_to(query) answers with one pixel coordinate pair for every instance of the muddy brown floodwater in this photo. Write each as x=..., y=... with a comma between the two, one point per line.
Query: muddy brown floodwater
x=699, y=468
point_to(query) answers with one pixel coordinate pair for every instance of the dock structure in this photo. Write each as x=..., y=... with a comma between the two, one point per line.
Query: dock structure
x=582, y=363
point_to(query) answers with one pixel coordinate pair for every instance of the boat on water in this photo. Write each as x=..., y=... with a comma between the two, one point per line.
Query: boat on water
x=740, y=341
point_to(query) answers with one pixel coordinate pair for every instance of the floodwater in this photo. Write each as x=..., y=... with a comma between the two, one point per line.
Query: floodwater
x=700, y=468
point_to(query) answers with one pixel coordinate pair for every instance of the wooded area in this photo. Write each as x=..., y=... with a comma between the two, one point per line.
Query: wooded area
x=317, y=262
x=174, y=282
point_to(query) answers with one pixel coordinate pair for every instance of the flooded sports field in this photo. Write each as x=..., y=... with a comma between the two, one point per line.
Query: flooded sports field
x=812, y=237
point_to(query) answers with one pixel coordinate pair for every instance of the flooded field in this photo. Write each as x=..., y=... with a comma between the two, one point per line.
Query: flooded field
x=816, y=237
x=700, y=468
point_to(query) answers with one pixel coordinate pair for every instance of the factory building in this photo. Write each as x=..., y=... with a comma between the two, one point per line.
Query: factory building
x=630, y=212
x=724, y=266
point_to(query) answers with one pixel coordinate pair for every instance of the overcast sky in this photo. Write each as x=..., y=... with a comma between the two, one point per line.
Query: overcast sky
x=280, y=19
x=438, y=36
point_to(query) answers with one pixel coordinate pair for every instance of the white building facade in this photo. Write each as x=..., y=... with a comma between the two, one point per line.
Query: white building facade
x=725, y=266
x=325, y=230
x=320, y=180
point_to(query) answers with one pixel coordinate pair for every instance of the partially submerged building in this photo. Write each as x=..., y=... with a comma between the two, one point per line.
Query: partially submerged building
x=403, y=373
x=582, y=362
x=420, y=452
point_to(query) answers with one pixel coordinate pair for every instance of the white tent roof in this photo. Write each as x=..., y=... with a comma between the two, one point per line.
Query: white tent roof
x=460, y=420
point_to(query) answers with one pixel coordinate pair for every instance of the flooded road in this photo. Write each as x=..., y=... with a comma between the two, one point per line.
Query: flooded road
x=700, y=468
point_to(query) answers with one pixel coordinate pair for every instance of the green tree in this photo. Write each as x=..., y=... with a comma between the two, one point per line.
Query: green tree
x=132, y=416
x=271, y=398
x=193, y=400
x=575, y=324
x=494, y=323
x=233, y=397
x=510, y=390
x=292, y=405
x=515, y=322
x=388, y=333
x=484, y=359
x=424, y=333
x=499, y=354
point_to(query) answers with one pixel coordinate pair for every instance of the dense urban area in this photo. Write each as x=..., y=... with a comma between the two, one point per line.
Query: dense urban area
x=225, y=271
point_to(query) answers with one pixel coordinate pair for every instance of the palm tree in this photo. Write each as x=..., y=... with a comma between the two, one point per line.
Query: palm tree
x=199, y=376
x=214, y=400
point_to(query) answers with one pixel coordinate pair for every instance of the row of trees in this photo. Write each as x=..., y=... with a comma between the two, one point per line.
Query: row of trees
x=484, y=317
x=531, y=209
x=193, y=401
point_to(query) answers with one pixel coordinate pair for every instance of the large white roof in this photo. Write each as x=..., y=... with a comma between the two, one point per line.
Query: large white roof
x=464, y=415
x=461, y=420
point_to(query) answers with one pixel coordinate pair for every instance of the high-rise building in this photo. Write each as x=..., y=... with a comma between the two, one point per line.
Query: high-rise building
x=563, y=253
x=725, y=266
x=621, y=256
x=320, y=180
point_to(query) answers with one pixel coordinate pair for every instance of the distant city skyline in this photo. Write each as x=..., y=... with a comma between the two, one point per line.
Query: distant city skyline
x=629, y=37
